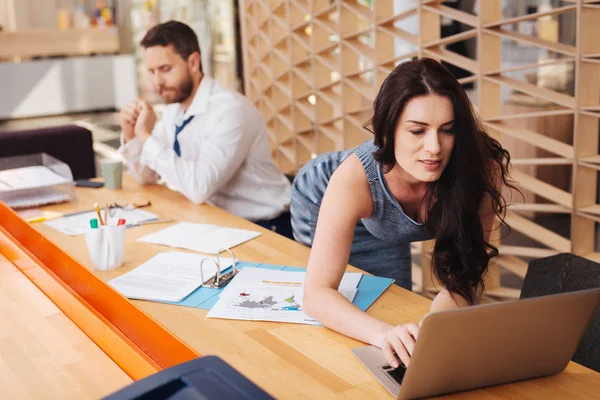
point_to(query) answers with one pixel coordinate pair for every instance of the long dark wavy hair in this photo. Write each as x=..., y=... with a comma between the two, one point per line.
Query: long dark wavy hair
x=478, y=164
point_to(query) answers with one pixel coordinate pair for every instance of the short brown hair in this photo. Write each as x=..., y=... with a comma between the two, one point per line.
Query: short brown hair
x=180, y=35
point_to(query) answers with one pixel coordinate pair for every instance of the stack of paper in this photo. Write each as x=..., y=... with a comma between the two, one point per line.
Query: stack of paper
x=32, y=187
x=29, y=177
x=267, y=295
x=77, y=224
x=169, y=276
x=37, y=198
x=203, y=238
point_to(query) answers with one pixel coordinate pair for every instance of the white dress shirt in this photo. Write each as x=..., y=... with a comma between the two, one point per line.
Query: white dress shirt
x=225, y=156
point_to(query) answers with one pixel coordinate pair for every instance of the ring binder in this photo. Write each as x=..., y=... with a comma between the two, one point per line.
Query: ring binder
x=219, y=280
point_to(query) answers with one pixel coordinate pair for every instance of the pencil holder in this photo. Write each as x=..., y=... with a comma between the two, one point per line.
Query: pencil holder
x=106, y=245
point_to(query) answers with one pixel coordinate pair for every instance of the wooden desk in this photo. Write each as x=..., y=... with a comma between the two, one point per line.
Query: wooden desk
x=43, y=355
x=289, y=361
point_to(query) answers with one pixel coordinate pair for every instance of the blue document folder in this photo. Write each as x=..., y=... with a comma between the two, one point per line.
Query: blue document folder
x=369, y=289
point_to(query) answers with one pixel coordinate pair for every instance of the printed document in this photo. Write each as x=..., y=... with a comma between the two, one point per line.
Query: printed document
x=271, y=295
x=169, y=276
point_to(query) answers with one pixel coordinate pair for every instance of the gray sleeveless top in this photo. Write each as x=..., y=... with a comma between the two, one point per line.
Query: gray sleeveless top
x=388, y=222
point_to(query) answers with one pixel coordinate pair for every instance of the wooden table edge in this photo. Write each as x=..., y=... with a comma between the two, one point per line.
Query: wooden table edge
x=137, y=343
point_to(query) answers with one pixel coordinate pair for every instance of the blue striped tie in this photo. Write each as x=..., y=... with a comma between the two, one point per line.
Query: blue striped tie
x=179, y=128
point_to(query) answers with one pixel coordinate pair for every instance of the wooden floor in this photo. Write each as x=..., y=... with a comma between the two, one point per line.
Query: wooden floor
x=43, y=354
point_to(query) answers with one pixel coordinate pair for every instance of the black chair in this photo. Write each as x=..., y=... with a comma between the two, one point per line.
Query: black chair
x=70, y=144
x=567, y=273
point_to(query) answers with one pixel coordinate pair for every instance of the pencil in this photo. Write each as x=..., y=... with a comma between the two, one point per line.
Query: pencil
x=106, y=213
x=97, y=208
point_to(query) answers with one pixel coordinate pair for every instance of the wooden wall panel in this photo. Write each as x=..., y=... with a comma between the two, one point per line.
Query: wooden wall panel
x=314, y=68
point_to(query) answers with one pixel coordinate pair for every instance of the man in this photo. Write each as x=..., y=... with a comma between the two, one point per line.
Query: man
x=211, y=143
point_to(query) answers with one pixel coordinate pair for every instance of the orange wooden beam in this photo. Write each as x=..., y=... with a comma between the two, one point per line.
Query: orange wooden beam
x=135, y=341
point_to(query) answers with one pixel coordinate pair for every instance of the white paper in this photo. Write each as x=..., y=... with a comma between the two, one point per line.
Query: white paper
x=29, y=177
x=261, y=294
x=78, y=224
x=203, y=238
x=169, y=276
x=35, y=198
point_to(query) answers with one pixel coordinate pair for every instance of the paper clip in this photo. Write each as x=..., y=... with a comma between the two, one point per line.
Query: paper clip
x=219, y=280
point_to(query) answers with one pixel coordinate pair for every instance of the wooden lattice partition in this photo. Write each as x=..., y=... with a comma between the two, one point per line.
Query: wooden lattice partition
x=313, y=68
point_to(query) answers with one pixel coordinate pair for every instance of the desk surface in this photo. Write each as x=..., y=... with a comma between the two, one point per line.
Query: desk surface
x=287, y=360
x=43, y=355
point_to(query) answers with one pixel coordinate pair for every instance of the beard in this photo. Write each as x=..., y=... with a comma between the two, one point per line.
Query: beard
x=177, y=94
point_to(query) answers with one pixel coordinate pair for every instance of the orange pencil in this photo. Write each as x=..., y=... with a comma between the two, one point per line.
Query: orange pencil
x=97, y=207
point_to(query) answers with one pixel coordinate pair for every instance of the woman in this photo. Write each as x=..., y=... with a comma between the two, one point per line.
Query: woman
x=430, y=172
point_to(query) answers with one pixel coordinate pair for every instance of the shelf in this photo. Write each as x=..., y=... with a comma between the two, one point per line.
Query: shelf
x=277, y=31
x=341, y=51
x=453, y=13
x=360, y=48
x=287, y=150
x=470, y=34
x=542, y=161
x=533, y=90
x=54, y=42
x=324, y=20
x=358, y=119
x=321, y=7
x=590, y=114
x=399, y=33
x=594, y=210
x=532, y=16
x=468, y=79
x=538, y=233
x=542, y=189
x=533, y=138
x=398, y=58
x=530, y=66
x=330, y=61
x=591, y=160
x=540, y=208
x=593, y=217
x=307, y=109
x=559, y=48
x=535, y=114
x=589, y=165
x=286, y=119
x=398, y=17
x=329, y=139
x=330, y=96
x=354, y=135
x=365, y=89
x=593, y=256
x=355, y=7
x=528, y=252
x=453, y=58
x=331, y=131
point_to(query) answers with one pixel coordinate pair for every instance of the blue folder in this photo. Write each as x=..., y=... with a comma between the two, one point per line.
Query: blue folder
x=369, y=289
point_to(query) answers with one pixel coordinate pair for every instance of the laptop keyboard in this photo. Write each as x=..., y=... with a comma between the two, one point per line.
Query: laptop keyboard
x=397, y=374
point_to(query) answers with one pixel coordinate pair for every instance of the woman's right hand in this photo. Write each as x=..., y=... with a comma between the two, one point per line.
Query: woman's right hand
x=400, y=341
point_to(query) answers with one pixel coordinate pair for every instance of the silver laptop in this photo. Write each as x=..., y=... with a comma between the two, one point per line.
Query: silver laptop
x=488, y=345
